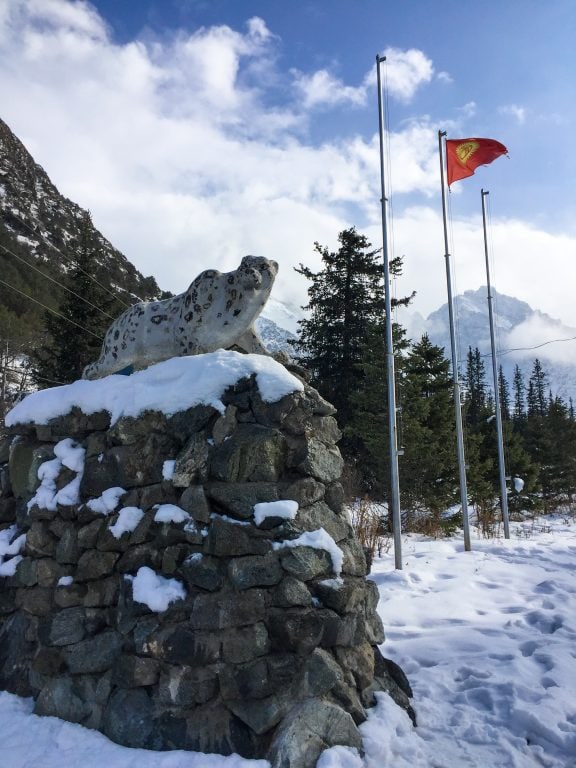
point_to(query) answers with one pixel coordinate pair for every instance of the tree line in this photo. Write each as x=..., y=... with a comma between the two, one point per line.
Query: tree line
x=342, y=344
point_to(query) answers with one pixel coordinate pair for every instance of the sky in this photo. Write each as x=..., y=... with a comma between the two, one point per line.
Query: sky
x=485, y=637
x=198, y=131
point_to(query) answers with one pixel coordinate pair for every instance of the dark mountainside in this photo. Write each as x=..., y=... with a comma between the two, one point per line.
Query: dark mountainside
x=42, y=228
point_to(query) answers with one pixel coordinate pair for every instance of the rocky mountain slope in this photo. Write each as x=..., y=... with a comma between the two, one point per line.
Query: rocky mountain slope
x=40, y=230
x=522, y=335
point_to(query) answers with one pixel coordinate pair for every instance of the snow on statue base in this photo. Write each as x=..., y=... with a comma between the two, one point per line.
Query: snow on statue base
x=217, y=311
x=185, y=576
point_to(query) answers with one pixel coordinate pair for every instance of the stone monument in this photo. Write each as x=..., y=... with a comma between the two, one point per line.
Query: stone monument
x=177, y=569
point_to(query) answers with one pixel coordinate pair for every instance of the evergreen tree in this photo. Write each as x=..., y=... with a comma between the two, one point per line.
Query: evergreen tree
x=75, y=334
x=428, y=468
x=368, y=431
x=475, y=383
x=519, y=389
x=537, y=386
x=504, y=393
x=346, y=307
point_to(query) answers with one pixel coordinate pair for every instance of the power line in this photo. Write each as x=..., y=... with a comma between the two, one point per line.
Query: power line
x=67, y=256
x=53, y=311
x=526, y=349
x=98, y=309
x=27, y=373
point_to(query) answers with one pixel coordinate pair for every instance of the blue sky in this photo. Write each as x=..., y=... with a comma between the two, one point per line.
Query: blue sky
x=200, y=130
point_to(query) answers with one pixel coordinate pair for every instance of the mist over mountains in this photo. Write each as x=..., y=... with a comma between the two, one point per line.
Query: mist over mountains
x=522, y=335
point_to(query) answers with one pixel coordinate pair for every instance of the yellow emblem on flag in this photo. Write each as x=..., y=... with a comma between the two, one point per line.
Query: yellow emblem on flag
x=465, y=151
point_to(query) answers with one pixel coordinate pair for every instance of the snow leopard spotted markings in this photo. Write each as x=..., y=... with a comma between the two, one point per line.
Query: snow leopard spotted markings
x=217, y=311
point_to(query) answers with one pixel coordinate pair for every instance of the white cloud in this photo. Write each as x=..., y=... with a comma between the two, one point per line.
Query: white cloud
x=322, y=88
x=515, y=111
x=403, y=72
x=445, y=77
x=467, y=110
x=173, y=146
x=407, y=71
x=541, y=336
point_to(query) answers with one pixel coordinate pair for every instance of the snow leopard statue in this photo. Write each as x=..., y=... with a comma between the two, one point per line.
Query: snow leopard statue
x=217, y=311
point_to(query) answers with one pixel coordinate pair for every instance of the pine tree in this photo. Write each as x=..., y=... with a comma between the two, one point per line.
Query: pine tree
x=519, y=389
x=366, y=441
x=537, y=385
x=475, y=383
x=75, y=334
x=504, y=393
x=428, y=467
x=346, y=306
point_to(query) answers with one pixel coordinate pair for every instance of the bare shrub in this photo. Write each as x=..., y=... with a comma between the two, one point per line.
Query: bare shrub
x=369, y=520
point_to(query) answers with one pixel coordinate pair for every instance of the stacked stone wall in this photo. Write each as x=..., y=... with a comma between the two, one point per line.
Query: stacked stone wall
x=264, y=637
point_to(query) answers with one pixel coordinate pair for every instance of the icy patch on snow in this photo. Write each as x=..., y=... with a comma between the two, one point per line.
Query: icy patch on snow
x=155, y=591
x=227, y=519
x=168, y=469
x=10, y=546
x=128, y=519
x=107, y=502
x=9, y=567
x=171, y=386
x=332, y=583
x=319, y=539
x=170, y=513
x=285, y=509
x=68, y=454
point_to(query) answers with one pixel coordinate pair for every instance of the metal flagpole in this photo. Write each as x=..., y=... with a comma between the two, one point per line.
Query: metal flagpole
x=501, y=463
x=393, y=439
x=455, y=377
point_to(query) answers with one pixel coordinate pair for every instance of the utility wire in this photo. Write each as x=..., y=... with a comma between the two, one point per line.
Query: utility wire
x=526, y=349
x=27, y=373
x=53, y=311
x=67, y=256
x=69, y=290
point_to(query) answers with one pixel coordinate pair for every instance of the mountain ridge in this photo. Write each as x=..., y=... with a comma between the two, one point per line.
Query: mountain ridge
x=40, y=229
x=522, y=335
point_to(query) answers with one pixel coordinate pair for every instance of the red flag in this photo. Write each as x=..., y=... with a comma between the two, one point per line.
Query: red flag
x=463, y=156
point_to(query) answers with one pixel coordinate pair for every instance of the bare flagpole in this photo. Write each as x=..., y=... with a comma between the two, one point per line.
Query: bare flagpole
x=392, y=430
x=455, y=376
x=501, y=462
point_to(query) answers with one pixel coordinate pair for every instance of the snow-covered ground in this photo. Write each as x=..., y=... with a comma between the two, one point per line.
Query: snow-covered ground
x=487, y=638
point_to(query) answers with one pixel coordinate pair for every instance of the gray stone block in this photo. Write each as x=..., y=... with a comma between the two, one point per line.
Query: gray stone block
x=290, y=592
x=63, y=628
x=243, y=644
x=134, y=671
x=321, y=461
x=253, y=454
x=307, y=730
x=239, y=499
x=191, y=462
x=59, y=699
x=128, y=719
x=226, y=539
x=185, y=687
x=203, y=572
x=215, y=611
x=306, y=563
x=194, y=501
x=95, y=565
x=255, y=571
x=96, y=654
x=183, y=645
